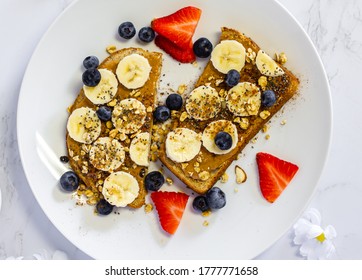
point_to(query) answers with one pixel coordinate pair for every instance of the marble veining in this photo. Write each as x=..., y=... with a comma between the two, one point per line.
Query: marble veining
x=335, y=27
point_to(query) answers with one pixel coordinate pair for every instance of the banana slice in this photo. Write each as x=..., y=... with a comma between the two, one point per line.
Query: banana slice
x=129, y=115
x=105, y=90
x=228, y=55
x=267, y=66
x=203, y=103
x=84, y=125
x=133, y=71
x=120, y=189
x=182, y=144
x=107, y=154
x=244, y=99
x=140, y=148
x=210, y=132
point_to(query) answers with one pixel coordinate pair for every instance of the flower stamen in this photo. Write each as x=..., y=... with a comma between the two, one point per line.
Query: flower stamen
x=321, y=237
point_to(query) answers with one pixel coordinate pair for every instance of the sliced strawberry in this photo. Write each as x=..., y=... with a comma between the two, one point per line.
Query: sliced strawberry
x=178, y=27
x=274, y=175
x=181, y=55
x=170, y=207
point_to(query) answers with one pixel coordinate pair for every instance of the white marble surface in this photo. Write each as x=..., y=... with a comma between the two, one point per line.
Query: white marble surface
x=335, y=27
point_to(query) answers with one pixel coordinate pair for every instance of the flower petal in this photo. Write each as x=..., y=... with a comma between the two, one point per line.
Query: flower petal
x=59, y=255
x=314, y=216
x=314, y=231
x=307, y=248
x=330, y=232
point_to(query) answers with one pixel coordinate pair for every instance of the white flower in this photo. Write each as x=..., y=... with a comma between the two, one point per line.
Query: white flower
x=42, y=255
x=315, y=242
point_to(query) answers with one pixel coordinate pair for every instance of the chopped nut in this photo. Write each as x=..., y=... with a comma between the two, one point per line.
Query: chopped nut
x=206, y=213
x=224, y=178
x=138, y=93
x=112, y=103
x=244, y=123
x=283, y=122
x=181, y=89
x=236, y=190
x=250, y=55
x=205, y=223
x=281, y=58
x=264, y=114
x=111, y=49
x=113, y=133
x=262, y=82
x=222, y=92
x=254, y=140
x=183, y=116
x=84, y=169
x=154, y=147
x=154, y=157
x=240, y=174
x=92, y=201
x=204, y=175
x=184, y=165
x=236, y=120
x=109, y=124
x=218, y=82
x=149, y=109
x=76, y=158
x=197, y=169
x=265, y=128
x=169, y=181
x=148, y=207
x=199, y=159
x=267, y=137
x=88, y=193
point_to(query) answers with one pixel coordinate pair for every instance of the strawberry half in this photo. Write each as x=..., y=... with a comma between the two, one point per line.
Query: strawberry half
x=274, y=175
x=170, y=207
x=181, y=55
x=178, y=27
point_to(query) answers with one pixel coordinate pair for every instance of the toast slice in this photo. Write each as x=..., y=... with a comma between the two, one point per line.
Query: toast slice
x=79, y=160
x=203, y=171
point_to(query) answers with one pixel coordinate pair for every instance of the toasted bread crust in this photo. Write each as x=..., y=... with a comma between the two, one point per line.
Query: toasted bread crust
x=284, y=86
x=148, y=95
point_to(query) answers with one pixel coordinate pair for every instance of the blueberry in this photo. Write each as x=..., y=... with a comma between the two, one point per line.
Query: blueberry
x=232, y=78
x=215, y=198
x=200, y=204
x=174, y=101
x=202, y=47
x=126, y=30
x=154, y=181
x=162, y=113
x=104, y=207
x=268, y=98
x=104, y=113
x=223, y=140
x=146, y=34
x=64, y=159
x=91, y=77
x=90, y=62
x=69, y=181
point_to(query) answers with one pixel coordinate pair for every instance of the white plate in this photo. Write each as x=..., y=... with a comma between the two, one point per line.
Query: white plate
x=248, y=224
